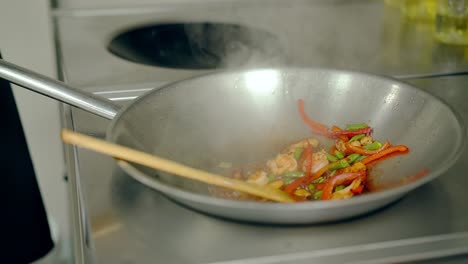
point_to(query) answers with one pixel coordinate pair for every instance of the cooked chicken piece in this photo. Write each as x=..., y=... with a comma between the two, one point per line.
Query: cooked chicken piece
x=367, y=140
x=355, y=143
x=356, y=167
x=302, y=144
x=340, y=145
x=282, y=163
x=319, y=160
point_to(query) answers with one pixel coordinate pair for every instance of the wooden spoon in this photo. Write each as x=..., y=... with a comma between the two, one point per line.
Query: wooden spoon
x=132, y=155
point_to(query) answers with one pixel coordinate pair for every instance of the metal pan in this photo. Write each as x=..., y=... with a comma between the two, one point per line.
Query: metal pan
x=247, y=116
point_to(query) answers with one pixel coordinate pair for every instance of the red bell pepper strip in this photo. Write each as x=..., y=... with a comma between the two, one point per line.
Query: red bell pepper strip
x=293, y=185
x=337, y=180
x=358, y=190
x=307, y=154
x=317, y=174
x=366, y=152
x=335, y=134
x=332, y=150
x=320, y=172
x=316, y=127
x=379, y=155
x=342, y=137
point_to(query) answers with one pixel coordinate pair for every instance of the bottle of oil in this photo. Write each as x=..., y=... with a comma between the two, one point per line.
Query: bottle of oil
x=395, y=3
x=420, y=11
x=452, y=22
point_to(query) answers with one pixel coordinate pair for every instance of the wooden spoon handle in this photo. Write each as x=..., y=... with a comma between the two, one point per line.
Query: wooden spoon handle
x=172, y=167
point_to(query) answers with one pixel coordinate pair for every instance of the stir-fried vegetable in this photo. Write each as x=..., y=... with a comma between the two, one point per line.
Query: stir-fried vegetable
x=338, y=154
x=367, y=151
x=382, y=154
x=337, y=180
x=341, y=164
x=353, y=157
x=307, y=171
x=356, y=126
x=335, y=134
x=298, y=153
x=315, y=126
x=307, y=161
x=330, y=157
x=356, y=137
x=373, y=146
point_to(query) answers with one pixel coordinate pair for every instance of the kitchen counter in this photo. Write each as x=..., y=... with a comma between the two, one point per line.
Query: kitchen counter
x=130, y=223
x=118, y=220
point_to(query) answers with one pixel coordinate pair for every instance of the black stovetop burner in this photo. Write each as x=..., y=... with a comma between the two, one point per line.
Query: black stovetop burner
x=195, y=45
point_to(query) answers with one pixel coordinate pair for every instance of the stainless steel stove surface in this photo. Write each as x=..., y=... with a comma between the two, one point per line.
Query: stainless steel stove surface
x=130, y=223
x=360, y=35
x=118, y=220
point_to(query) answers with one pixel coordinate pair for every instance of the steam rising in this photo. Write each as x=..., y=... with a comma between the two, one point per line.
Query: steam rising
x=230, y=46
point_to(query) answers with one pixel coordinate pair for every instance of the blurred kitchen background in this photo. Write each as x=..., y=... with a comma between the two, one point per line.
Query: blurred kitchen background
x=80, y=41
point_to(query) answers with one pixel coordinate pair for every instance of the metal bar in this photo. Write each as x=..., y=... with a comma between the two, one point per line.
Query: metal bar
x=57, y=90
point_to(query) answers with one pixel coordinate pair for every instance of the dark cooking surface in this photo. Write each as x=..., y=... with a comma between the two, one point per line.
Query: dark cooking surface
x=133, y=224
x=193, y=45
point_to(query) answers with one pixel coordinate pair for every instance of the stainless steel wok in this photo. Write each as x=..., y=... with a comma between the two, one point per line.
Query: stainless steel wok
x=247, y=116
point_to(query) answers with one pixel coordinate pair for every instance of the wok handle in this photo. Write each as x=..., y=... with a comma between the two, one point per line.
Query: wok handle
x=57, y=90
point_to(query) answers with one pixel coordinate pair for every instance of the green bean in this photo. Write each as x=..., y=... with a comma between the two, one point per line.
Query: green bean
x=288, y=180
x=319, y=180
x=311, y=187
x=318, y=195
x=340, y=165
x=339, y=188
x=271, y=177
x=339, y=154
x=356, y=137
x=374, y=146
x=330, y=157
x=298, y=153
x=353, y=157
x=361, y=158
x=356, y=126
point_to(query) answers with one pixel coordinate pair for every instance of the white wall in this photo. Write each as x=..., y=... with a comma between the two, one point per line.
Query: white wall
x=26, y=39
